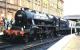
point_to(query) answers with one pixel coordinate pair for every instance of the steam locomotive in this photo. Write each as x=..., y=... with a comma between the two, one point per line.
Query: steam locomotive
x=31, y=25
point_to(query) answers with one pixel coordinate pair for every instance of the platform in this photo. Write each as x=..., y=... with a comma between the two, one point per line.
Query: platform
x=69, y=42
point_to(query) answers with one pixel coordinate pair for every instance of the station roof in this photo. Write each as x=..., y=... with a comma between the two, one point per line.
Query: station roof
x=72, y=17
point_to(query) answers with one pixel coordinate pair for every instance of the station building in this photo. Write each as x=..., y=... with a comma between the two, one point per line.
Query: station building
x=8, y=8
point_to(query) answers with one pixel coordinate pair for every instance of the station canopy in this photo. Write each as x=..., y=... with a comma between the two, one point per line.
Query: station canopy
x=72, y=17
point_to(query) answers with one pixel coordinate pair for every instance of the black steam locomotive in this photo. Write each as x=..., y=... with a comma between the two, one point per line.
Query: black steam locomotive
x=63, y=27
x=32, y=25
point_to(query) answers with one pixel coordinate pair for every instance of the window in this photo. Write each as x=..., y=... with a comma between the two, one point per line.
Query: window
x=16, y=2
x=19, y=3
x=36, y=0
x=11, y=1
x=29, y=0
x=1, y=0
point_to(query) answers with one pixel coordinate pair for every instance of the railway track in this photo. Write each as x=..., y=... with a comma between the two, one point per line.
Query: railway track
x=40, y=45
x=25, y=46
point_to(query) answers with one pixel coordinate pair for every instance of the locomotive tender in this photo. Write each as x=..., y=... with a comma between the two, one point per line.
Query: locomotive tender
x=32, y=25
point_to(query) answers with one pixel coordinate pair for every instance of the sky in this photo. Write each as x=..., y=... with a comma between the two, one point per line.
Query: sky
x=71, y=7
